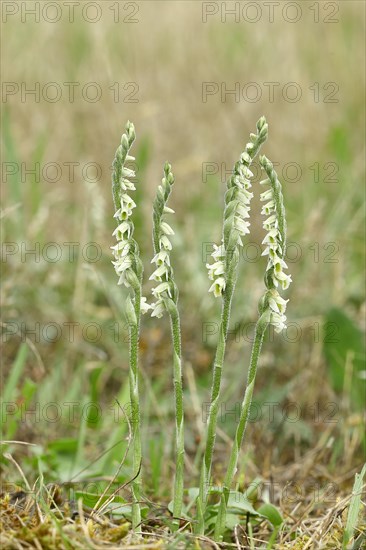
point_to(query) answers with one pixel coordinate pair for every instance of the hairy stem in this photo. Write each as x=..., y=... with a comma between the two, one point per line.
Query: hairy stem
x=179, y=413
x=240, y=430
x=205, y=475
x=135, y=410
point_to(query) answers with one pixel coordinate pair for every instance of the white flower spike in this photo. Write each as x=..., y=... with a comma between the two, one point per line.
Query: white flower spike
x=275, y=241
x=237, y=210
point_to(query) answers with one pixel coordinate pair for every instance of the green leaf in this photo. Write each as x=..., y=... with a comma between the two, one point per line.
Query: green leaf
x=64, y=446
x=339, y=144
x=238, y=501
x=91, y=499
x=271, y=513
x=344, y=350
x=9, y=392
x=354, y=508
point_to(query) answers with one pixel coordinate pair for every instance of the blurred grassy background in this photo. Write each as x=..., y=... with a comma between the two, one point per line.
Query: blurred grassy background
x=168, y=53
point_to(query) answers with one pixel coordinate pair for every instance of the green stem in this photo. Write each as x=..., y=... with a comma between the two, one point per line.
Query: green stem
x=135, y=410
x=179, y=413
x=205, y=474
x=240, y=430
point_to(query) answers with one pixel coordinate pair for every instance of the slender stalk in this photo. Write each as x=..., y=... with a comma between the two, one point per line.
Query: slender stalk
x=129, y=269
x=224, y=274
x=271, y=309
x=242, y=424
x=167, y=298
x=135, y=412
x=214, y=401
x=179, y=412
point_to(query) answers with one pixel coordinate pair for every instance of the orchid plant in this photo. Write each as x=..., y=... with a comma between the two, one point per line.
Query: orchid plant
x=223, y=273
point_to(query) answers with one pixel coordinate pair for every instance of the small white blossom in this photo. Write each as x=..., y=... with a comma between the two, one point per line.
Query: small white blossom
x=128, y=173
x=165, y=242
x=167, y=230
x=123, y=255
x=276, y=264
x=127, y=185
x=278, y=321
x=215, y=269
x=276, y=302
x=145, y=307
x=123, y=280
x=163, y=273
x=218, y=286
x=160, y=272
x=219, y=252
x=158, y=309
x=161, y=257
x=270, y=222
x=163, y=287
x=241, y=225
x=121, y=230
x=277, y=306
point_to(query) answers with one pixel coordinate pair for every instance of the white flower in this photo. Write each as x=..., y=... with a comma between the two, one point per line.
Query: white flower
x=277, y=306
x=270, y=222
x=165, y=242
x=121, y=265
x=215, y=269
x=246, y=172
x=285, y=281
x=278, y=321
x=276, y=302
x=272, y=236
x=244, y=157
x=122, y=247
x=218, y=287
x=272, y=251
x=127, y=185
x=244, y=196
x=144, y=305
x=161, y=271
x=120, y=231
x=239, y=204
x=279, y=275
x=158, y=309
x=161, y=257
x=268, y=208
x=167, y=230
x=127, y=202
x=123, y=281
x=266, y=181
x=276, y=264
x=219, y=252
x=241, y=225
x=163, y=287
x=266, y=195
x=127, y=172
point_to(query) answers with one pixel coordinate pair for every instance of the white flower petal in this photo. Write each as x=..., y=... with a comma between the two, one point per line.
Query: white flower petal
x=158, y=309
x=144, y=305
x=167, y=230
x=165, y=242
